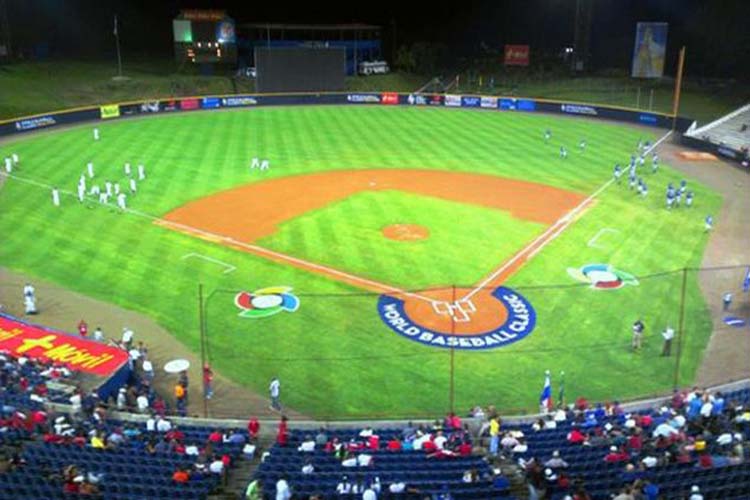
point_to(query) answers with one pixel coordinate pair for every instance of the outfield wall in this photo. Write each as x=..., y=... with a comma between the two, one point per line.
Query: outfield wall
x=171, y=105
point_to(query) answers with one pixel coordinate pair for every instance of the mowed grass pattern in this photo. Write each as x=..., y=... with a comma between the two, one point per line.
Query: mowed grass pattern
x=465, y=242
x=334, y=355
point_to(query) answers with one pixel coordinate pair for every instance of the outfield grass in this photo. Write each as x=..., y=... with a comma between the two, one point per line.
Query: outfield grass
x=441, y=259
x=334, y=355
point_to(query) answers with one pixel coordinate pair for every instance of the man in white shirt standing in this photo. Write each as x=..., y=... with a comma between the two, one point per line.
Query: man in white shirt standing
x=127, y=337
x=668, y=335
x=274, y=389
x=98, y=334
x=282, y=489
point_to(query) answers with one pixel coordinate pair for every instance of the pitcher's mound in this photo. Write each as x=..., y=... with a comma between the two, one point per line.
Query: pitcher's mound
x=406, y=232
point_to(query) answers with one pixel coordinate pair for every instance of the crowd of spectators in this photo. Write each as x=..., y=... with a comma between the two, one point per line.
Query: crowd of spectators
x=697, y=428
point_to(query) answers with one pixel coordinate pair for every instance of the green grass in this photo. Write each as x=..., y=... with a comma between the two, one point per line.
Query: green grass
x=347, y=236
x=334, y=355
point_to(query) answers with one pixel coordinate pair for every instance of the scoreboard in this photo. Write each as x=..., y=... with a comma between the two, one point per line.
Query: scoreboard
x=204, y=36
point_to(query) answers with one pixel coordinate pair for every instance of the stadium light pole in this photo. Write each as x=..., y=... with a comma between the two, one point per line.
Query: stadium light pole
x=116, y=32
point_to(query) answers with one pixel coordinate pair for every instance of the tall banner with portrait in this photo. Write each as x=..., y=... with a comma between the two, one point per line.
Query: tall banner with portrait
x=650, y=50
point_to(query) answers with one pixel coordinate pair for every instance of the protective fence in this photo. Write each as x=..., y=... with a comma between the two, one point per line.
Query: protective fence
x=427, y=352
x=423, y=353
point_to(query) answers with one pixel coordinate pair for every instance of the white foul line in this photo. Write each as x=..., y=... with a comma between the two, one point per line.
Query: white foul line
x=563, y=221
x=229, y=268
x=247, y=246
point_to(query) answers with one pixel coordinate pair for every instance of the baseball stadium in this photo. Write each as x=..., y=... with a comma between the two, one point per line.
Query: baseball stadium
x=316, y=261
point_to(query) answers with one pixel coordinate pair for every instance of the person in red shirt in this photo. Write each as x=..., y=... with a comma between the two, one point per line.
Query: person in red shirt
x=83, y=328
x=635, y=442
x=215, y=436
x=253, y=428
x=282, y=434
x=464, y=449
x=394, y=444
x=180, y=476
x=575, y=436
x=429, y=446
x=208, y=378
x=615, y=455
x=373, y=442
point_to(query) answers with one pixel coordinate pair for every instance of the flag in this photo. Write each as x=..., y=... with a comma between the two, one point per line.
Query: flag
x=545, y=399
x=115, y=30
x=746, y=281
x=561, y=396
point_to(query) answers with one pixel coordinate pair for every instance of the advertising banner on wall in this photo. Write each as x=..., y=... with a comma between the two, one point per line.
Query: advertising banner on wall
x=489, y=102
x=649, y=50
x=363, y=98
x=34, y=123
x=188, y=104
x=424, y=100
x=109, y=111
x=516, y=55
x=237, y=101
x=470, y=101
x=452, y=100
x=389, y=98
x=210, y=102
x=22, y=339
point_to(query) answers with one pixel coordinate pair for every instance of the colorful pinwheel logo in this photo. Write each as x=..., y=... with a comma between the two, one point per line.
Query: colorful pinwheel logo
x=602, y=276
x=266, y=302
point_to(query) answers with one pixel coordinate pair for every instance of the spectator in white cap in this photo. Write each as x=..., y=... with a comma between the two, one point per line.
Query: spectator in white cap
x=556, y=462
x=695, y=493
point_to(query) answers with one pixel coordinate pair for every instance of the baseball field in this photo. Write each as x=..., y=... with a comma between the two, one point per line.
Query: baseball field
x=433, y=209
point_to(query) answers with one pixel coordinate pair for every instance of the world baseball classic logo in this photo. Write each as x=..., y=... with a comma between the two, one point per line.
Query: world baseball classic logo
x=512, y=318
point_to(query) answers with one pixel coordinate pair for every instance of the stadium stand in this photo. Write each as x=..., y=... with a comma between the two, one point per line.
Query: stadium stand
x=395, y=462
x=732, y=130
x=691, y=446
x=697, y=441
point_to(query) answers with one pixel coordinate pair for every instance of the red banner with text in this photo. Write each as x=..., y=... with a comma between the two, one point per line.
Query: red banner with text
x=516, y=55
x=22, y=339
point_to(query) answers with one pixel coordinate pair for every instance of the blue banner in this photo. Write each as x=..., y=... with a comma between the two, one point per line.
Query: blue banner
x=469, y=101
x=210, y=102
x=517, y=105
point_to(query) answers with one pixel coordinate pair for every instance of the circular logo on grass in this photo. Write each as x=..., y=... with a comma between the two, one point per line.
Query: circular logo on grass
x=602, y=276
x=266, y=302
x=485, y=321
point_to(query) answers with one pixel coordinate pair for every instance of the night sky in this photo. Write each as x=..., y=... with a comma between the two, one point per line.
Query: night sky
x=716, y=33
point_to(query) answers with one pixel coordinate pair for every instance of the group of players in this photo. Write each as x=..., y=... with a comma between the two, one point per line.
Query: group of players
x=674, y=195
x=109, y=190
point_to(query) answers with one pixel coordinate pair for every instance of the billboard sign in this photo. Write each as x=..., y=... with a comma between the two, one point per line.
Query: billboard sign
x=469, y=101
x=424, y=100
x=109, y=111
x=489, y=102
x=452, y=100
x=517, y=105
x=516, y=55
x=649, y=50
x=79, y=354
x=33, y=123
x=150, y=107
x=363, y=98
x=389, y=98
x=188, y=104
x=578, y=109
x=243, y=100
x=225, y=31
x=210, y=102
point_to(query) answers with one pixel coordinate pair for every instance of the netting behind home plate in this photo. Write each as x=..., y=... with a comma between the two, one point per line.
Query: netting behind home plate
x=423, y=352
